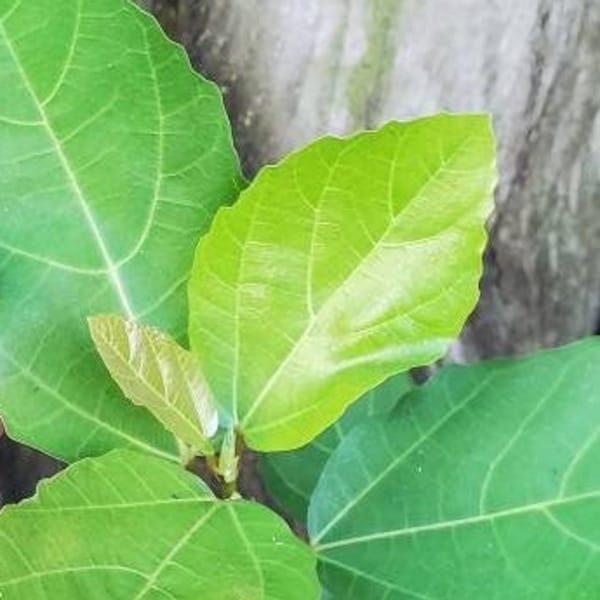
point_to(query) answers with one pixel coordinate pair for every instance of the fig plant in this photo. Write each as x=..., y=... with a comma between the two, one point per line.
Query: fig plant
x=155, y=308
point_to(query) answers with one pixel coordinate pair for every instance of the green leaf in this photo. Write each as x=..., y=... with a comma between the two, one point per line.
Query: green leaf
x=351, y=260
x=130, y=527
x=114, y=156
x=291, y=476
x=153, y=371
x=485, y=485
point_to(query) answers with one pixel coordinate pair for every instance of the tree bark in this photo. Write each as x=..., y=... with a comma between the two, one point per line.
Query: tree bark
x=20, y=470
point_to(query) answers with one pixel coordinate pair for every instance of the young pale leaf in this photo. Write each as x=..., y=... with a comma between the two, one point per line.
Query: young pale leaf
x=484, y=485
x=153, y=371
x=114, y=156
x=129, y=526
x=351, y=260
x=291, y=476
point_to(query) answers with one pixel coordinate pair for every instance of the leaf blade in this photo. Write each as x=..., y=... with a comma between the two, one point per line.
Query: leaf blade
x=130, y=536
x=102, y=208
x=477, y=477
x=153, y=371
x=312, y=264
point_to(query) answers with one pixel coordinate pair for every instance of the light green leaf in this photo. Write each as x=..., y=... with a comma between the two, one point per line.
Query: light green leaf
x=129, y=526
x=351, y=260
x=485, y=485
x=153, y=371
x=114, y=156
x=291, y=476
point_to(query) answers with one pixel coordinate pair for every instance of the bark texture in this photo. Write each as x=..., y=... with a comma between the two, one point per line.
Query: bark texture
x=20, y=469
x=294, y=69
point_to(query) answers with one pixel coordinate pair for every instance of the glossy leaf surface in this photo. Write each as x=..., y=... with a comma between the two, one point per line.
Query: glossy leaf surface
x=128, y=526
x=484, y=485
x=153, y=371
x=292, y=476
x=113, y=157
x=351, y=260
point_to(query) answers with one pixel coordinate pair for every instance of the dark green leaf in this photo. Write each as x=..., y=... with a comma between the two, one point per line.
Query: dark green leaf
x=486, y=484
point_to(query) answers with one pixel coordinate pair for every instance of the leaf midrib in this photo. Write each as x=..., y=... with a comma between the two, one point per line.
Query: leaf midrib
x=167, y=560
x=400, y=458
x=162, y=399
x=491, y=516
x=312, y=322
x=111, y=269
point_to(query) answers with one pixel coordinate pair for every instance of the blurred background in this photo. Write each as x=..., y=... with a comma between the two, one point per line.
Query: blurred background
x=291, y=70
